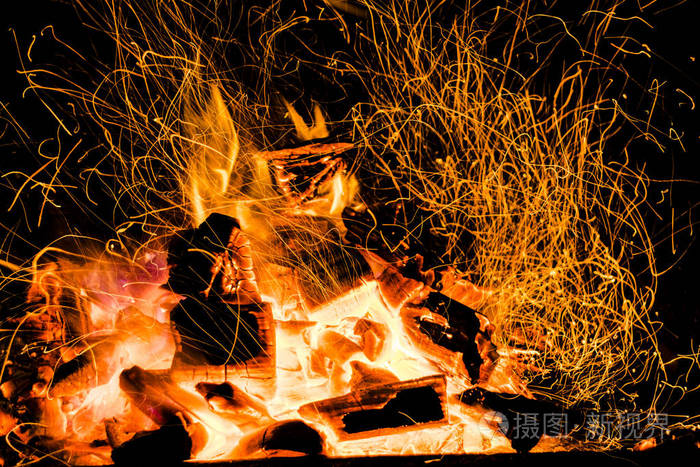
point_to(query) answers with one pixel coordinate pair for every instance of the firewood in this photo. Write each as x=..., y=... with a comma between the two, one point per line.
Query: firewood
x=86, y=371
x=301, y=172
x=168, y=445
x=382, y=410
x=450, y=334
x=219, y=333
x=214, y=260
x=157, y=396
x=116, y=435
x=223, y=328
x=292, y=436
x=397, y=290
x=516, y=409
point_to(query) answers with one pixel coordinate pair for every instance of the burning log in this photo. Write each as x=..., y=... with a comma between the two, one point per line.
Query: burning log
x=155, y=394
x=197, y=257
x=281, y=438
x=212, y=333
x=382, y=410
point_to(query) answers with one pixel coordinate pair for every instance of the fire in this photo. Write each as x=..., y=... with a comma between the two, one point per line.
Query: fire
x=390, y=289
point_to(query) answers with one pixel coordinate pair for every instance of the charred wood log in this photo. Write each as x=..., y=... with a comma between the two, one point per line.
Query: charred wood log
x=222, y=325
x=381, y=410
x=526, y=420
x=396, y=289
x=157, y=396
x=293, y=436
x=451, y=334
x=213, y=261
x=302, y=171
x=168, y=445
x=84, y=372
x=219, y=333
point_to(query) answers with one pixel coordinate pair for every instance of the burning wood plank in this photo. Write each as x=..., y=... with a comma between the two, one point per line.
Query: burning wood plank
x=384, y=409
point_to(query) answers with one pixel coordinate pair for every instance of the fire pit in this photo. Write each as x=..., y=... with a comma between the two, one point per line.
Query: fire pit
x=439, y=258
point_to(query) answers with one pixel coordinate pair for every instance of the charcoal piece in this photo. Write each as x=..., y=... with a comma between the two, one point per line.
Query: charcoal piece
x=454, y=327
x=383, y=409
x=459, y=316
x=409, y=407
x=527, y=419
x=192, y=254
x=218, y=333
x=168, y=445
x=290, y=435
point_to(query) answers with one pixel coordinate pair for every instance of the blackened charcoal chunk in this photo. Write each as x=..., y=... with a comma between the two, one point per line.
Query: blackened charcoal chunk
x=460, y=333
x=459, y=316
x=191, y=253
x=452, y=339
x=527, y=419
x=409, y=407
x=217, y=333
x=168, y=445
x=292, y=435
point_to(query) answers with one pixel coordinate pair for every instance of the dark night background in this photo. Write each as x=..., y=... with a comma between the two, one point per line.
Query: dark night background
x=674, y=43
